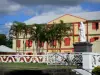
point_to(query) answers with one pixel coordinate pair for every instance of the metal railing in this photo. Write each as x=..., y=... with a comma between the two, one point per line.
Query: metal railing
x=69, y=59
x=64, y=58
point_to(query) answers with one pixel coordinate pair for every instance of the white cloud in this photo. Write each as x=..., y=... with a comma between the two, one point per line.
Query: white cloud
x=11, y=6
x=4, y=29
x=7, y=7
x=64, y=10
x=8, y=25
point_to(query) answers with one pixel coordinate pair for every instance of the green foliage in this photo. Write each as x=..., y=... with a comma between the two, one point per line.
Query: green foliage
x=5, y=41
x=16, y=29
x=9, y=43
x=50, y=33
x=96, y=70
x=41, y=32
x=2, y=39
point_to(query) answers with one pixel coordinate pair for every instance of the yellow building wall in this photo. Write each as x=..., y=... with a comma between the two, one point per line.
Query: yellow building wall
x=76, y=39
x=92, y=31
x=63, y=47
x=96, y=44
x=67, y=19
x=62, y=51
x=76, y=30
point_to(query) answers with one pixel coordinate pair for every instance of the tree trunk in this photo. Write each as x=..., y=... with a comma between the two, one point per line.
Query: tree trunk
x=16, y=45
x=37, y=50
x=33, y=43
x=47, y=46
x=60, y=46
x=16, y=42
x=23, y=45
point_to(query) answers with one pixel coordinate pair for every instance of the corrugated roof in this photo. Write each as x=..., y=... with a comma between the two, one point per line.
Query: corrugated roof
x=41, y=19
x=89, y=15
x=47, y=18
x=6, y=49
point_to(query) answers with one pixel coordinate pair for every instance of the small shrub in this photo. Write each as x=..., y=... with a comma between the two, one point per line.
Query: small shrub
x=96, y=70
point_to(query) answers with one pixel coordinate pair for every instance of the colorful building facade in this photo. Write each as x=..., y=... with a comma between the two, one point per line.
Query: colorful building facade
x=92, y=27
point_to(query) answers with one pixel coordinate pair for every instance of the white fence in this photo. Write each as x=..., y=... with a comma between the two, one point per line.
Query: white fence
x=88, y=60
x=23, y=58
x=64, y=58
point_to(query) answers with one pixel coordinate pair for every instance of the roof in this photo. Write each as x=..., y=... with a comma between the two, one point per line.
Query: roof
x=6, y=49
x=89, y=15
x=47, y=18
x=41, y=19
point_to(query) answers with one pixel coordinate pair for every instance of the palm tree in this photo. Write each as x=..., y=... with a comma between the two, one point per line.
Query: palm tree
x=37, y=35
x=16, y=30
x=42, y=38
x=56, y=32
x=49, y=33
x=25, y=33
x=62, y=30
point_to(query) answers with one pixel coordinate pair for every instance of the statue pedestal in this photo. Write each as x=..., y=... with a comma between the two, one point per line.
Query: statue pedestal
x=82, y=47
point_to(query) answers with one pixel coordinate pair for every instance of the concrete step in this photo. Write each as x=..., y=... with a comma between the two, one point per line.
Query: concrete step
x=81, y=71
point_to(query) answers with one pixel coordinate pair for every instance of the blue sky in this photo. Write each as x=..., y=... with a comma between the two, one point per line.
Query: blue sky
x=22, y=10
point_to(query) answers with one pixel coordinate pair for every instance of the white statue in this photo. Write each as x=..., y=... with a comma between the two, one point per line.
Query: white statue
x=82, y=32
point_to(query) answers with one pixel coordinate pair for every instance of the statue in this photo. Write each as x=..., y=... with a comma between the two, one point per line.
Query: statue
x=83, y=45
x=82, y=32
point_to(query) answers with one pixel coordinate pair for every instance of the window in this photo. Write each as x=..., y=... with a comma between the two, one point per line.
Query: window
x=54, y=43
x=95, y=25
x=67, y=41
x=78, y=25
x=40, y=44
x=94, y=39
x=18, y=43
x=28, y=43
